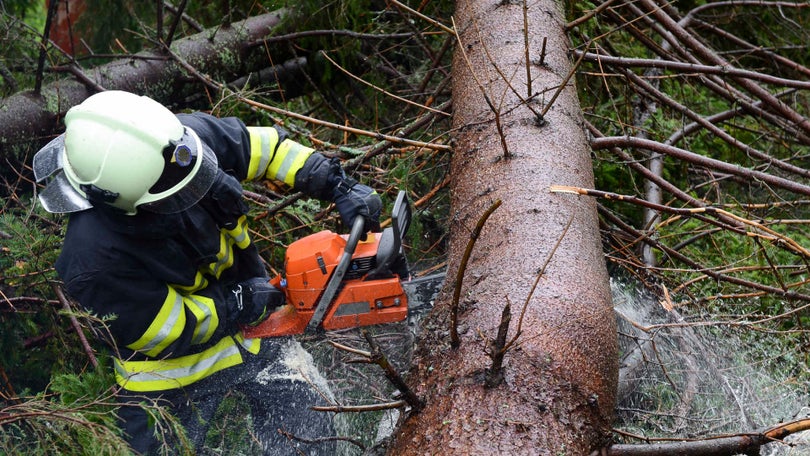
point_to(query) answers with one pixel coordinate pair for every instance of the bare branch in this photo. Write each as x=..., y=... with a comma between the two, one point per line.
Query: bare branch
x=753, y=175
x=454, y=339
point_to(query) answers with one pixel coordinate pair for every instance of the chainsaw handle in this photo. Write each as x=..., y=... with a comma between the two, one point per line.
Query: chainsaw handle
x=357, y=232
x=358, y=229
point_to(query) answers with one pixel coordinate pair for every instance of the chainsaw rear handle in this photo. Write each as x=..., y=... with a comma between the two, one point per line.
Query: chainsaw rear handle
x=358, y=230
x=390, y=246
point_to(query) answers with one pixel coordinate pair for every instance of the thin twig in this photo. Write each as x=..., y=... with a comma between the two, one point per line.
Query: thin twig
x=716, y=275
x=454, y=339
x=346, y=348
x=681, y=154
x=742, y=443
x=540, y=274
x=499, y=347
x=385, y=92
x=359, y=408
x=588, y=16
x=356, y=131
x=759, y=230
x=526, y=49
x=423, y=17
x=508, y=81
x=175, y=23
x=292, y=436
x=692, y=68
x=561, y=87
x=224, y=89
x=159, y=20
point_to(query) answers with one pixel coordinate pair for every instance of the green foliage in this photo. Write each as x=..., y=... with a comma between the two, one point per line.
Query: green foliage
x=33, y=334
x=231, y=427
x=766, y=260
x=18, y=37
x=392, y=64
x=73, y=417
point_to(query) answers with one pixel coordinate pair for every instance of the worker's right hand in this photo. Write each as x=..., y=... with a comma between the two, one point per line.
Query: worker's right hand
x=357, y=200
x=252, y=300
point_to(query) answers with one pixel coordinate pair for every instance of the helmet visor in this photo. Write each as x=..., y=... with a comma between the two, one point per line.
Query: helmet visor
x=49, y=159
x=58, y=197
x=189, y=171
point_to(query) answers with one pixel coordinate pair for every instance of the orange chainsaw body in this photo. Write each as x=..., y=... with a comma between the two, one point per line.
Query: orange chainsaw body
x=360, y=300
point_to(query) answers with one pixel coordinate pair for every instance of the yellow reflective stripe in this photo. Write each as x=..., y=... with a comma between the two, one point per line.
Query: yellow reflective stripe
x=200, y=282
x=165, y=328
x=170, y=373
x=263, y=141
x=251, y=345
x=224, y=256
x=289, y=158
x=240, y=234
x=205, y=311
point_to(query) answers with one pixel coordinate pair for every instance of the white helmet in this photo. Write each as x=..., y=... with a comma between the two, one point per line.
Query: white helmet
x=126, y=151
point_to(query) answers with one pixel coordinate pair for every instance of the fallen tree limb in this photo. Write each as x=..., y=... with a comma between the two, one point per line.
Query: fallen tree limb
x=688, y=67
x=26, y=115
x=748, y=444
x=700, y=160
x=76, y=326
x=753, y=229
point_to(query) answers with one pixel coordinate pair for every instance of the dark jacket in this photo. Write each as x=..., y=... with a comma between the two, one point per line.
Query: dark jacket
x=166, y=278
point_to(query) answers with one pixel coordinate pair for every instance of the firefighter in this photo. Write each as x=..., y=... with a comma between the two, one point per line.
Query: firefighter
x=157, y=237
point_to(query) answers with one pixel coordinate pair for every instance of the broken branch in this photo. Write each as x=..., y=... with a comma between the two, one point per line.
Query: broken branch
x=392, y=375
x=454, y=339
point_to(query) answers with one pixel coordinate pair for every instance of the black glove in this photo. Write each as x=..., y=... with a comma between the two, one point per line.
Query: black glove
x=325, y=179
x=252, y=300
x=353, y=199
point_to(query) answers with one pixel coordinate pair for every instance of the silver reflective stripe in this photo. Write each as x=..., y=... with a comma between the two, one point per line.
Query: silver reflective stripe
x=264, y=135
x=224, y=260
x=289, y=160
x=159, y=375
x=166, y=328
x=204, y=323
x=240, y=233
x=178, y=373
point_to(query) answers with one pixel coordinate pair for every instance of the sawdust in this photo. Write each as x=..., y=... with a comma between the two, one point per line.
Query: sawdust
x=295, y=365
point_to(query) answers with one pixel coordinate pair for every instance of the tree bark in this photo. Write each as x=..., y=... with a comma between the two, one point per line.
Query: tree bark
x=560, y=380
x=28, y=115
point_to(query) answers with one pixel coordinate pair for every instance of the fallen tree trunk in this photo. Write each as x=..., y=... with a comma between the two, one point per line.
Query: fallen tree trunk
x=27, y=115
x=559, y=378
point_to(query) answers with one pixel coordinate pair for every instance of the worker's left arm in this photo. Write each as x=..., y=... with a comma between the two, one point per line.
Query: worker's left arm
x=252, y=153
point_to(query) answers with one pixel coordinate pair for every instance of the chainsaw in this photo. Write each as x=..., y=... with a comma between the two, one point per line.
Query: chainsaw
x=333, y=281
